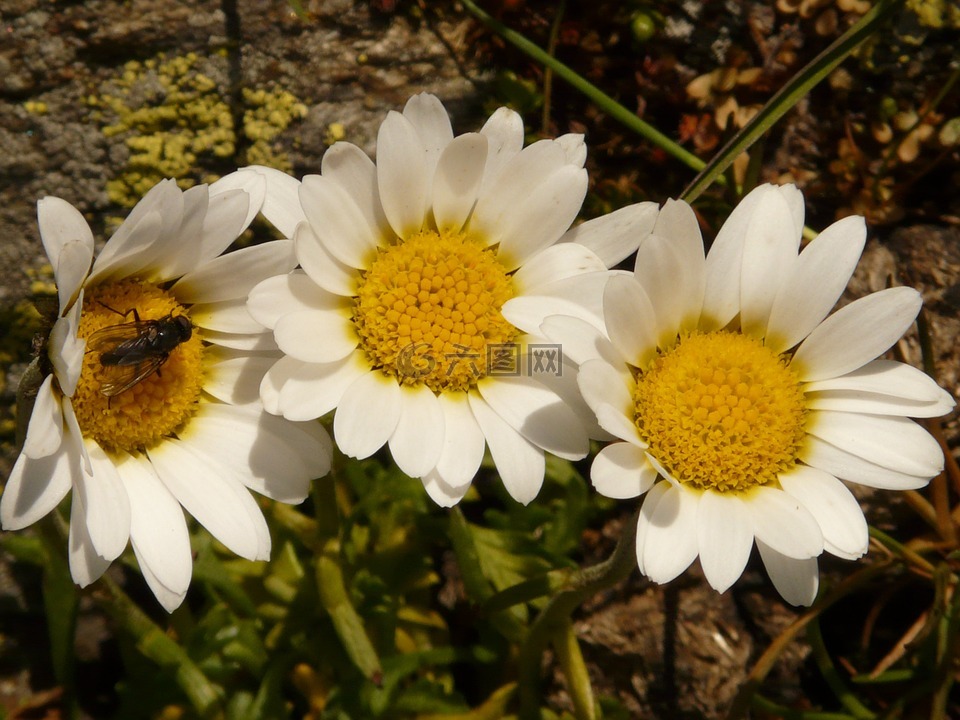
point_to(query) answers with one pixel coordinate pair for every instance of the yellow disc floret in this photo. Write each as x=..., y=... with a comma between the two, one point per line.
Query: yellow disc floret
x=428, y=310
x=721, y=411
x=160, y=403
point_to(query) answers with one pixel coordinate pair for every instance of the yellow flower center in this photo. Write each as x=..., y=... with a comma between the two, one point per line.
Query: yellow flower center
x=428, y=310
x=158, y=404
x=722, y=411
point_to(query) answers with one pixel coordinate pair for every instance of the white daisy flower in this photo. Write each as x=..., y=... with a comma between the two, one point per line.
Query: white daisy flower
x=422, y=276
x=739, y=403
x=190, y=432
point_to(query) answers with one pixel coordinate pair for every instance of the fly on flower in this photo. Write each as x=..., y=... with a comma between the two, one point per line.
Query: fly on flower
x=131, y=352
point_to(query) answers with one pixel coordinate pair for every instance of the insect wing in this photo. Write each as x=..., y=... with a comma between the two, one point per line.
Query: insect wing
x=116, y=379
x=119, y=341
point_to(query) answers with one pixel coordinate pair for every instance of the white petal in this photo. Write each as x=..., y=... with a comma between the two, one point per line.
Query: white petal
x=555, y=263
x=268, y=454
x=892, y=442
x=463, y=446
x=619, y=425
x=310, y=390
x=537, y=413
x=35, y=487
x=66, y=350
x=45, y=431
x=61, y=224
x=856, y=334
x=833, y=506
x=351, y=168
x=281, y=204
x=195, y=202
x=208, y=227
x=403, y=174
x=257, y=342
x=105, y=503
x=574, y=148
x=780, y=521
x=603, y=384
x=621, y=471
x=277, y=296
x=815, y=283
x=769, y=254
x=316, y=336
x=219, y=502
x=441, y=492
x=650, y=503
x=504, y=133
x=722, y=293
x=158, y=532
x=632, y=323
x=324, y=269
x=229, y=316
x=889, y=378
x=71, y=267
x=670, y=267
x=252, y=183
x=615, y=235
x=854, y=401
x=235, y=379
x=367, y=414
x=725, y=538
x=520, y=463
x=525, y=228
x=579, y=296
x=432, y=124
x=518, y=177
x=233, y=275
x=143, y=236
x=670, y=538
x=457, y=180
x=841, y=464
x=417, y=441
x=337, y=222
x=85, y=564
x=579, y=340
x=797, y=581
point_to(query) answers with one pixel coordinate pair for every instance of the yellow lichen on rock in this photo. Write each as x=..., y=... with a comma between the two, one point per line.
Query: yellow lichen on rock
x=176, y=121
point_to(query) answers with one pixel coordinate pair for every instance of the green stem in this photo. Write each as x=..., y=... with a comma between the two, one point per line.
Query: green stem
x=740, y=706
x=595, y=94
x=555, y=617
x=156, y=645
x=789, y=95
x=477, y=587
x=767, y=706
x=900, y=549
x=829, y=672
x=575, y=670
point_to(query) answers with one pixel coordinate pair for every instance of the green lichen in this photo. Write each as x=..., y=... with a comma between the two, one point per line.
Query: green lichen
x=936, y=14
x=176, y=122
x=267, y=114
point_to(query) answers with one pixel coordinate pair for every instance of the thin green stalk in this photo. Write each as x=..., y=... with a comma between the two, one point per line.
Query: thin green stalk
x=790, y=94
x=347, y=623
x=156, y=645
x=768, y=706
x=748, y=689
x=555, y=617
x=547, y=72
x=898, y=548
x=478, y=588
x=829, y=672
x=595, y=94
x=574, y=669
